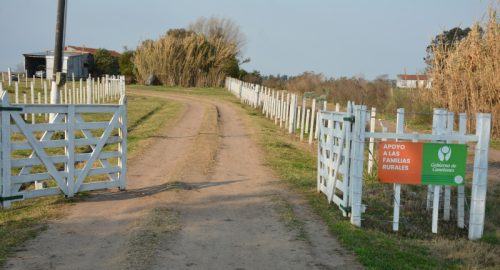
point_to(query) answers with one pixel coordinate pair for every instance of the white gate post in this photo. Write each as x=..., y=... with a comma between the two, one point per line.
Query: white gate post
x=122, y=147
x=356, y=175
x=6, y=151
x=480, y=176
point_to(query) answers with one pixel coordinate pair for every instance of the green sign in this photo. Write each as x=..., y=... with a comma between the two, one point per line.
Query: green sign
x=443, y=164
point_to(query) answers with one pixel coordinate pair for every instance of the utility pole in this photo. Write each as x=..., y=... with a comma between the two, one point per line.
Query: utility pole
x=58, y=77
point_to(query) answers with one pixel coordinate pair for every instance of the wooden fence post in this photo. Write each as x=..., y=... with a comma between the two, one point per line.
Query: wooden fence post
x=400, y=126
x=371, y=146
x=447, y=189
x=480, y=176
x=313, y=118
x=462, y=124
x=9, y=76
x=356, y=174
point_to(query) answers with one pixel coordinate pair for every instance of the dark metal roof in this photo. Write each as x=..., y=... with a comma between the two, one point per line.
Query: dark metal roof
x=49, y=53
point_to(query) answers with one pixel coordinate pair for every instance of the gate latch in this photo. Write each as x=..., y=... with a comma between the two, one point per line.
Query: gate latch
x=349, y=118
x=18, y=109
x=11, y=198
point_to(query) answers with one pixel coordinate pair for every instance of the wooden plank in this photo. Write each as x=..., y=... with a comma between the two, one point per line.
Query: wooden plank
x=62, y=143
x=70, y=151
x=29, y=194
x=28, y=178
x=422, y=137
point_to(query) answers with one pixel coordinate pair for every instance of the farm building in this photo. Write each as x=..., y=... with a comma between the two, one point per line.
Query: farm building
x=413, y=81
x=77, y=61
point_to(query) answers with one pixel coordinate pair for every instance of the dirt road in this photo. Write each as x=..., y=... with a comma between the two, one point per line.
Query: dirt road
x=198, y=197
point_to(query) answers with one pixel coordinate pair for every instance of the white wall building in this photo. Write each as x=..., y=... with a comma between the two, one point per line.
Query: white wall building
x=413, y=81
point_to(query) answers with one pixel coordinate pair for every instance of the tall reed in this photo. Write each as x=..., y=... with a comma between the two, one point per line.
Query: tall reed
x=466, y=77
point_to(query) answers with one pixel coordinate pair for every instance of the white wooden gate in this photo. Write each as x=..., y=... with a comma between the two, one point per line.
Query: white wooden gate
x=83, y=147
x=340, y=159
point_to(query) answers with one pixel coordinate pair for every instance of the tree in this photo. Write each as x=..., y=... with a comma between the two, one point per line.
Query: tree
x=447, y=40
x=126, y=65
x=105, y=63
x=224, y=28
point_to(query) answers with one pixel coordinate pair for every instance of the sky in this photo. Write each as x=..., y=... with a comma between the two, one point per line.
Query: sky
x=335, y=37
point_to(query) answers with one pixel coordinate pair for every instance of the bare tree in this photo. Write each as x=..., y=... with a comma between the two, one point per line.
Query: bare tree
x=216, y=28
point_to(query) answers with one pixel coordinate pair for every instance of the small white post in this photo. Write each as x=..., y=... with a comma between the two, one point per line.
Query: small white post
x=39, y=97
x=480, y=176
x=299, y=113
x=89, y=91
x=313, y=117
x=45, y=98
x=302, y=118
x=25, y=100
x=293, y=111
x=32, y=100
x=371, y=145
x=16, y=92
x=9, y=75
x=435, y=208
x=287, y=110
x=308, y=116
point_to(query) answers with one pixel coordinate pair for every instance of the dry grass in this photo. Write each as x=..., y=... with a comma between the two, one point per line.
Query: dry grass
x=465, y=77
x=186, y=58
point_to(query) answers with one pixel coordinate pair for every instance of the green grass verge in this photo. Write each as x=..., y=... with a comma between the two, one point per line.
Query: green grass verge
x=26, y=219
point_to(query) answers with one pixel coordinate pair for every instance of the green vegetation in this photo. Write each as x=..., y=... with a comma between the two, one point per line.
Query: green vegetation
x=127, y=67
x=104, y=63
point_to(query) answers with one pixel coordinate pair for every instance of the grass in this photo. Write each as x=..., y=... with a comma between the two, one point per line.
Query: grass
x=495, y=144
x=28, y=218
